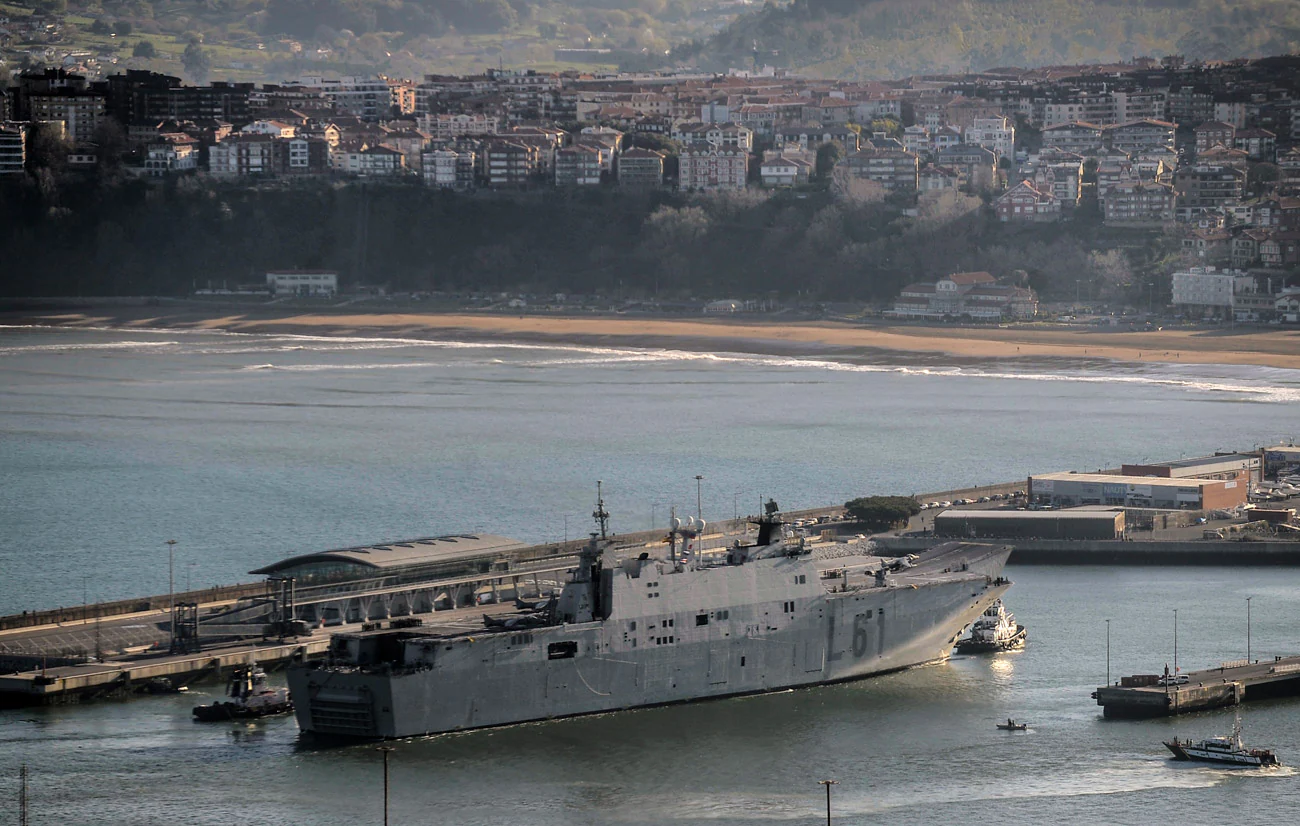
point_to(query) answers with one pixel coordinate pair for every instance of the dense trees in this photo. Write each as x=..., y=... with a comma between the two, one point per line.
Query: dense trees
x=197, y=63
x=880, y=513
x=73, y=235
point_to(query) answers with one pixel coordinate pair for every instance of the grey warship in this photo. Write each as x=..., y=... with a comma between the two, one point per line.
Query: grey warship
x=631, y=629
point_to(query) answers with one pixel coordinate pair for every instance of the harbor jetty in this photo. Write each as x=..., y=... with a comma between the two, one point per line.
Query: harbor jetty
x=1229, y=684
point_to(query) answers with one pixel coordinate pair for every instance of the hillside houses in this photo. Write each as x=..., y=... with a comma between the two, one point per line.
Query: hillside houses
x=1208, y=153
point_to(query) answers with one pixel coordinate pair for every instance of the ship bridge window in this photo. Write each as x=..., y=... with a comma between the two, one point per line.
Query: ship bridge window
x=701, y=619
x=562, y=650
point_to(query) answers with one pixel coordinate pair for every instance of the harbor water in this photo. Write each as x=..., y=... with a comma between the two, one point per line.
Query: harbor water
x=247, y=449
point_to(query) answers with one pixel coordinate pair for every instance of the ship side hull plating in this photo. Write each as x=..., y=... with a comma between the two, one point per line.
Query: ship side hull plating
x=712, y=637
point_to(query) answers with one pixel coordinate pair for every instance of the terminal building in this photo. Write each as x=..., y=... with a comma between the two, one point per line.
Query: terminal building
x=993, y=524
x=405, y=561
x=1244, y=468
x=1069, y=490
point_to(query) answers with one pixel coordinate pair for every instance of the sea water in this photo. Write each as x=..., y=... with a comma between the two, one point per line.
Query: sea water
x=250, y=448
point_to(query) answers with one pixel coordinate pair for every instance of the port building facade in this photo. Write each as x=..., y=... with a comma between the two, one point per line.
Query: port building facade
x=1069, y=490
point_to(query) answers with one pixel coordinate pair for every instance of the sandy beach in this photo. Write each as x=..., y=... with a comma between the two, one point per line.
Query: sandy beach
x=1243, y=346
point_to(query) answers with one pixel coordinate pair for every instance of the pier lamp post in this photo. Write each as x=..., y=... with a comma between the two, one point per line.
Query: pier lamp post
x=386, y=750
x=1175, y=641
x=1248, y=599
x=699, y=501
x=171, y=594
x=1107, y=652
x=828, y=784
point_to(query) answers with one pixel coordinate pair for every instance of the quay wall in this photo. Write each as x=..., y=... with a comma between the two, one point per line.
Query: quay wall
x=103, y=610
x=1116, y=552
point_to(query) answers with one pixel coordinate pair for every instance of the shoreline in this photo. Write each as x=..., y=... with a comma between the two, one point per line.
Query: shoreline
x=1251, y=347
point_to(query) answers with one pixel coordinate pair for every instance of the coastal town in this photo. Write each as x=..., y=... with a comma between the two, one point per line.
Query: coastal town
x=1204, y=152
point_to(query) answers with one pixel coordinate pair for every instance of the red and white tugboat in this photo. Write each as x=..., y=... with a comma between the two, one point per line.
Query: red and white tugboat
x=1224, y=750
x=249, y=695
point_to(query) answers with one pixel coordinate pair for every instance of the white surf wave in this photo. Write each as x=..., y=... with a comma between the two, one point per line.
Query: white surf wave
x=1268, y=385
x=71, y=347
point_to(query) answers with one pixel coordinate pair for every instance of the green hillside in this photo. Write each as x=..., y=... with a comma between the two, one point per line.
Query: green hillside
x=279, y=39
x=894, y=38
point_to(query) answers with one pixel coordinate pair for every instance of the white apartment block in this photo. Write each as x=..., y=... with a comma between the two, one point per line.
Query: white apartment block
x=447, y=127
x=1199, y=288
x=994, y=134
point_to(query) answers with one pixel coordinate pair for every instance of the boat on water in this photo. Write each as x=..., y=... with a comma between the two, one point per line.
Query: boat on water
x=643, y=625
x=1012, y=725
x=1227, y=750
x=249, y=695
x=995, y=630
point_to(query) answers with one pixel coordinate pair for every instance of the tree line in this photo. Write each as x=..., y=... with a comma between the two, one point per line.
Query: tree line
x=115, y=235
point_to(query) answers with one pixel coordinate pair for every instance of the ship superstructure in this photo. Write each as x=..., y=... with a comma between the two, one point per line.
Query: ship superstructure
x=641, y=626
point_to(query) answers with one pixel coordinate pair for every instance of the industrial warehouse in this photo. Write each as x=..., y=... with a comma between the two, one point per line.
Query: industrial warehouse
x=1069, y=490
x=1075, y=524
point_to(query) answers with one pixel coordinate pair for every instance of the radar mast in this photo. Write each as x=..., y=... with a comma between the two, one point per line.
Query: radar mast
x=600, y=514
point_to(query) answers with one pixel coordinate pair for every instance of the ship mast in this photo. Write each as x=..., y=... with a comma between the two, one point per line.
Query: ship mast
x=600, y=514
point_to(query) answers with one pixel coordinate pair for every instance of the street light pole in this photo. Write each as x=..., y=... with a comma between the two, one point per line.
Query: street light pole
x=385, y=750
x=1248, y=599
x=1175, y=641
x=699, y=501
x=171, y=593
x=828, y=784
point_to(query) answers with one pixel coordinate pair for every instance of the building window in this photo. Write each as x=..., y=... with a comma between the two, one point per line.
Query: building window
x=701, y=619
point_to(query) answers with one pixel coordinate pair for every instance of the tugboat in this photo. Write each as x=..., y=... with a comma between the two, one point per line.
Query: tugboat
x=1226, y=750
x=250, y=696
x=995, y=630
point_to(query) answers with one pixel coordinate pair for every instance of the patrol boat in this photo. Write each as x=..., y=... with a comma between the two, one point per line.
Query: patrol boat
x=632, y=629
x=1225, y=750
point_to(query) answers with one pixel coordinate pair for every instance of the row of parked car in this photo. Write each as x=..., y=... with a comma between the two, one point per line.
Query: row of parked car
x=997, y=497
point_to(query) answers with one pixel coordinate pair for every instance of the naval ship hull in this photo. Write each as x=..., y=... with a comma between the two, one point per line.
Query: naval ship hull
x=782, y=627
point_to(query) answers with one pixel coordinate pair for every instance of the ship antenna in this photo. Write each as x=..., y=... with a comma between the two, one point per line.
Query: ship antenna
x=600, y=514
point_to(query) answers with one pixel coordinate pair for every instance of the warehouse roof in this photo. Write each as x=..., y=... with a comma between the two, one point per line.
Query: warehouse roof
x=1107, y=479
x=1290, y=449
x=1007, y=516
x=405, y=553
x=1220, y=459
